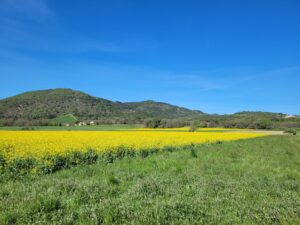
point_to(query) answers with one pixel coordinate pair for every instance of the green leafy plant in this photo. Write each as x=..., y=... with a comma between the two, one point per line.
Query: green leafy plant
x=290, y=131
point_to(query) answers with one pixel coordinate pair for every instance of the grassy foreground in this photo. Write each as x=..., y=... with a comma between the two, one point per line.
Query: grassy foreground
x=253, y=181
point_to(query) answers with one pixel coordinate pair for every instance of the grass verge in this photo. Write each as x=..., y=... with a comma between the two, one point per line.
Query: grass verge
x=252, y=181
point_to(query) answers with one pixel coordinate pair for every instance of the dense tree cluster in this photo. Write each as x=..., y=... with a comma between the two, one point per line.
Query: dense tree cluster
x=251, y=120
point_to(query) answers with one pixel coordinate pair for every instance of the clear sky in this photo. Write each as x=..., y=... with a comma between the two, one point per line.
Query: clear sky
x=218, y=56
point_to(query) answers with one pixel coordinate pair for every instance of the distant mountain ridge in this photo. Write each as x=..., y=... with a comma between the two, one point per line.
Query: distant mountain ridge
x=66, y=106
x=48, y=104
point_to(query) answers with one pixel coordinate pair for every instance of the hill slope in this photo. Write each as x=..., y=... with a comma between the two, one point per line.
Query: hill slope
x=158, y=109
x=48, y=104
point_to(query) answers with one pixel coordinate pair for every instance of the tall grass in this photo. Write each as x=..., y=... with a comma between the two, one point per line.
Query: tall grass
x=253, y=181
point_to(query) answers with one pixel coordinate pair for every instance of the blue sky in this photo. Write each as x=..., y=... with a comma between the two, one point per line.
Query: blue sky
x=213, y=55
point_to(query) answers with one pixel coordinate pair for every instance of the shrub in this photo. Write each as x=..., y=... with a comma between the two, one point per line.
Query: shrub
x=291, y=131
x=27, y=128
x=108, y=157
x=144, y=153
x=194, y=126
x=21, y=166
x=59, y=163
x=153, y=123
x=193, y=153
x=2, y=164
x=90, y=157
x=113, y=180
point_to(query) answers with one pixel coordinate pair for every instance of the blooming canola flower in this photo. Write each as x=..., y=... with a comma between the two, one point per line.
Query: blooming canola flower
x=38, y=144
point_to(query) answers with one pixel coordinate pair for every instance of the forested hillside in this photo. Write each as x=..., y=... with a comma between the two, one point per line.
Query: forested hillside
x=56, y=106
x=41, y=107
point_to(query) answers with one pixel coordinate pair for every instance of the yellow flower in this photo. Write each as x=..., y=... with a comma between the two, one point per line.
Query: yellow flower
x=38, y=144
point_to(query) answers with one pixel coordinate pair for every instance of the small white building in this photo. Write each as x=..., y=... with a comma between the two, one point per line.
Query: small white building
x=81, y=124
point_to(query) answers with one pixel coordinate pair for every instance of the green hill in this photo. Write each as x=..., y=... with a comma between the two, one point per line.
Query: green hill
x=62, y=106
x=155, y=109
x=45, y=105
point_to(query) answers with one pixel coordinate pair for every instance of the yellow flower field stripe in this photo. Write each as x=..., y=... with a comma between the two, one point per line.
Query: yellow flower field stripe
x=38, y=144
x=221, y=128
x=188, y=128
x=163, y=129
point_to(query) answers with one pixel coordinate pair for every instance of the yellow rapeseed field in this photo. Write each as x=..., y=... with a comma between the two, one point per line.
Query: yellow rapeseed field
x=188, y=128
x=38, y=144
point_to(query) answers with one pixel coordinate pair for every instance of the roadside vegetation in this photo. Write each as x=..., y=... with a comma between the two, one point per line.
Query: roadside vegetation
x=290, y=131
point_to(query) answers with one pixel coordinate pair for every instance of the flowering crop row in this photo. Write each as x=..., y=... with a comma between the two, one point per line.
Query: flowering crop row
x=40, y=146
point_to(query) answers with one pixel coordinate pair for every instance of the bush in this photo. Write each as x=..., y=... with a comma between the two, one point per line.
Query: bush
x=90, y=157
x=153, y=123
x=194, y=126
x=108, y=157
x=113, y=180
x=21, y=166
x=144, y=153
x=78, y=158
x=27, y=128
x=262, y=124
x=193, y=153
x=59, y=163
x=2, y=163
x=291, y=131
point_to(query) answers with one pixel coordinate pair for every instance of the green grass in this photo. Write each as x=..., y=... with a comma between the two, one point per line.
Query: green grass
x=243, y=182
x=105, y=128
x=64, y=119
x=91, y=128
